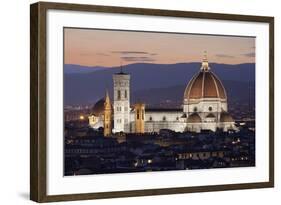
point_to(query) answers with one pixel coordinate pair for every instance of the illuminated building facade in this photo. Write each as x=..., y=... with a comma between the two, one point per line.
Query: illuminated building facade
x=204, y=107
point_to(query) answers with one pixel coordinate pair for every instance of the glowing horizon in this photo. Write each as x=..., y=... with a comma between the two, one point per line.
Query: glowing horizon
x=111, y=48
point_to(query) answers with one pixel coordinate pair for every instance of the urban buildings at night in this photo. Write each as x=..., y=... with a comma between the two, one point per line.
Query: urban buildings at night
x=205, y=132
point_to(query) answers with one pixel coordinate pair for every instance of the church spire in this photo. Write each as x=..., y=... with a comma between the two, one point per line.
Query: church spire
x=107, y=99
x=205, y=63
x=121, y=69
x=107, y=116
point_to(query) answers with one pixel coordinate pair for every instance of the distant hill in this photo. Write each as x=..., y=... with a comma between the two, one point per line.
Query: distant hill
x=156, y=82
x=74, y=69
x=236, y=92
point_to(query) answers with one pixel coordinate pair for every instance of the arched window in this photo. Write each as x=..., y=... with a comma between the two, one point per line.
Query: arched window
x=138, y=114
x=177, y=118
x=119, y=94
x=164, y=118
x=210, y=108
x=195, y=109
x=150, y=118
x=125, y=94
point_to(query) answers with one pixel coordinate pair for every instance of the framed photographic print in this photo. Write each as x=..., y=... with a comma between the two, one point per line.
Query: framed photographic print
x=134, y=102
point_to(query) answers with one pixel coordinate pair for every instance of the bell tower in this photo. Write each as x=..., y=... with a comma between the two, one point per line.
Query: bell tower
x=139, y=117
x=107, y=116
x=121, y=104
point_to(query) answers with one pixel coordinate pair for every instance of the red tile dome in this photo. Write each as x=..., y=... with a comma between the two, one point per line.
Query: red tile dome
x=98, y=108
x=225, y=117
x=204, y=84
x=194, y=118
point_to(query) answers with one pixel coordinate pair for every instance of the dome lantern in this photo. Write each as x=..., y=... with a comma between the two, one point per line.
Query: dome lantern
x=205, y=63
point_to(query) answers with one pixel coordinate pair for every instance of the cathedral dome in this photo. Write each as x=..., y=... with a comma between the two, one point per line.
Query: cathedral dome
x=98, y=108
x=194, y=118
x=225, y=117
x=204, y=84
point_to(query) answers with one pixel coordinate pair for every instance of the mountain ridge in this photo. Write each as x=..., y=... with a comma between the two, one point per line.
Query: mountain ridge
x=88, y=87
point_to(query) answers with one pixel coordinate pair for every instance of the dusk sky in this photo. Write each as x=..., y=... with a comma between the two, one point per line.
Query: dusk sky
x=90, y=47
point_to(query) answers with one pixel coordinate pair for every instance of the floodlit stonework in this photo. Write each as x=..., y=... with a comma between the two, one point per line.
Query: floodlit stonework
x=204, y=108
